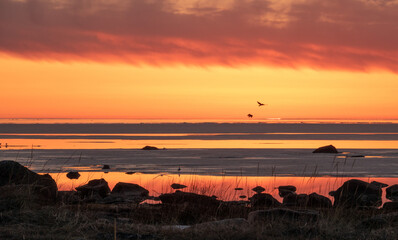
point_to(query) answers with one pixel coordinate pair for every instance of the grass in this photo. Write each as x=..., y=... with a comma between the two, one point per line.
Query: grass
x=27, y=220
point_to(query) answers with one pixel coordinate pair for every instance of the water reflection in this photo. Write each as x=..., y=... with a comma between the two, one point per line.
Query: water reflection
x=188, y=143
x=221, y=186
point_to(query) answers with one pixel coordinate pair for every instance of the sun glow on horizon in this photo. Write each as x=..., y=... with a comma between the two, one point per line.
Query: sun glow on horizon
x=37, y=89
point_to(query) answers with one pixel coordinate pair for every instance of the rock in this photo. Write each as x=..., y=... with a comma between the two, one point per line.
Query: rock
x=150, y=148
x=73, y=175
x=390, y=206
x=190, y=198
x=357, y=156
x=106, y=166
x=130, y=189
x=357, y=193
x=379, y=184
x=14, y=173
x=326, y=149
x=392, y=192
x=22, y=196
x=258, y=189
x=238, y=189
x=285, y=190
x=295, y=200
x=177, y=186
x=318, y=201
x=94, y=187
x=242, y=196
x=282, y=214
x=130, y=173
x=263, y=200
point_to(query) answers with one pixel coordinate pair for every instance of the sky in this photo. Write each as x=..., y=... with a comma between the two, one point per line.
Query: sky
x=199, y=59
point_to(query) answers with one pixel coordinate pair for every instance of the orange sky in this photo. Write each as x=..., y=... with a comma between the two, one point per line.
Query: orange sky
x=198, y=59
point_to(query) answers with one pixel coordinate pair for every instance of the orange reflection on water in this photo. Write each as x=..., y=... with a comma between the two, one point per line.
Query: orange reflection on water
x=221, y=186
x=188, y=143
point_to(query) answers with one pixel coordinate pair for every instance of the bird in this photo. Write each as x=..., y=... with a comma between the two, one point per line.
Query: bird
x=249, y=115
x=260, y=104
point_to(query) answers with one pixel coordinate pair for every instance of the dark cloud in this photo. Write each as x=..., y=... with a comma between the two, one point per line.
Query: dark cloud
x=343, y=34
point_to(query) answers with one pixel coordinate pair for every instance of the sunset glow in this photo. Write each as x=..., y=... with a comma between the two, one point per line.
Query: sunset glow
x=198, y=59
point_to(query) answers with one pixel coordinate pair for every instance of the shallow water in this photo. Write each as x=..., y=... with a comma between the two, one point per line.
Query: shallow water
x=221, y=186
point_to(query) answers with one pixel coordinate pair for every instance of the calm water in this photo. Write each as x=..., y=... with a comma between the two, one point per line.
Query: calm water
x=229, y=148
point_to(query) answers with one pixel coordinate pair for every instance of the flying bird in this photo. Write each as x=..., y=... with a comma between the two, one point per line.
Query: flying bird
x=249, y=115
x=261, y=104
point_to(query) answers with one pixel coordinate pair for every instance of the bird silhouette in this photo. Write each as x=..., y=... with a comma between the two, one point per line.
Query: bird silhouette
x=249, y=115
x=261, y=104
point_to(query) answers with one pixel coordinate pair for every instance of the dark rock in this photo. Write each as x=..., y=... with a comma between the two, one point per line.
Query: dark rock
x=150, y=148
x=263, y=200
x=326, y=149
x=22, y=196
x=379, y=184
x=73, y=175
x=130, y=189
x=242, y=196
x=357, y=193
x=177, y=186
x=14, y=173
x=130, y=173
x=94, y=187
x=190, y=198
x=318, y=201
x=285, y=190
x=258, y=189
x=392, y=192
x=390, y=206
x=106, y=166
x=238, y=189
x=295, y=200
x=282, y=214
x=312, y=200
x=357, y=156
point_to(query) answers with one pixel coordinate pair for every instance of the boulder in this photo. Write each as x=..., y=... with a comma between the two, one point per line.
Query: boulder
x=392, y=192
x=14, y=173
x=390, y=206
x=258, y=189
x=357, y=193
x=326, y=149
x=263, y=200
x=73, y=175
x=379, y=184
x=295, y=200
x=94, y=187
x=177, y=186
x=189, y=198
x=312, y=200
x=318, y=201
x=285, y=190
x=130, y=189
x=150, y=148
x=106, y=166
x=282, y=214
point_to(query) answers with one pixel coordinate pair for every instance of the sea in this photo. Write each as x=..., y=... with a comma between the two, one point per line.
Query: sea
x=207, y=155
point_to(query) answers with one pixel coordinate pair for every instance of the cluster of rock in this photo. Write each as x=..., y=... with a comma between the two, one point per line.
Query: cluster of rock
x=17, y=180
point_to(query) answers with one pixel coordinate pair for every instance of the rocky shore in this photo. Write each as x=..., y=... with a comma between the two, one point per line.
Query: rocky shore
x=31, y=207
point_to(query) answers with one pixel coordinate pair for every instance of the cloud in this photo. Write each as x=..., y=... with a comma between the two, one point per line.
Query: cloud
x=339, y=34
